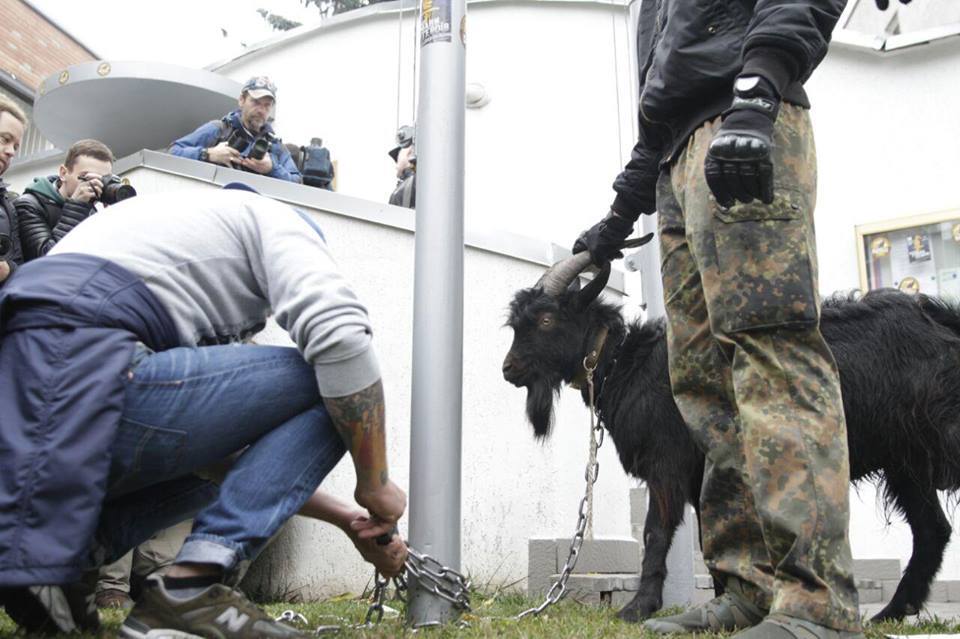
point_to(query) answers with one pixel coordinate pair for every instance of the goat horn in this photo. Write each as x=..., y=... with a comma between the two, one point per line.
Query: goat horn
x=559, y=276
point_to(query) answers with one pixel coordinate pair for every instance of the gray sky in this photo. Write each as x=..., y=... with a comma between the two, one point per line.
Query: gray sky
x=184, y=32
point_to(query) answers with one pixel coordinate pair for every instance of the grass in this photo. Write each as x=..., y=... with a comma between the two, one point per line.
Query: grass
x=493, y=617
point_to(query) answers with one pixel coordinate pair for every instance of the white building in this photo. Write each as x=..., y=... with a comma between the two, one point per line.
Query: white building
x=559, y=80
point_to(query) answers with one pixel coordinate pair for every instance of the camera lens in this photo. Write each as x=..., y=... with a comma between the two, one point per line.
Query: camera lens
x=259, y=149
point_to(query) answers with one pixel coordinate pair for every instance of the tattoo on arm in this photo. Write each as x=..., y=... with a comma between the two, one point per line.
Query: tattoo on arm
x=359, y=419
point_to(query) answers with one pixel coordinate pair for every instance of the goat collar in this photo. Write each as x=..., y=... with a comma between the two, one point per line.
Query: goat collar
x=591, y=360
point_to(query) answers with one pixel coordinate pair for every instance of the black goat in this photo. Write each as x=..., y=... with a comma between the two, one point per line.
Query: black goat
x=899, y=361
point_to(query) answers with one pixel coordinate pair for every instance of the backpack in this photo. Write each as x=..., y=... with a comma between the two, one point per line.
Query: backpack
x=315, y=165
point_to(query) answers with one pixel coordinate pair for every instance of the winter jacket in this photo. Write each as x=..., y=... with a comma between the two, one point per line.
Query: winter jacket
x=406, y=192
x=45, y=217
x=691, y=51
x=216, y=131
x=9, y=226
x=58, y=422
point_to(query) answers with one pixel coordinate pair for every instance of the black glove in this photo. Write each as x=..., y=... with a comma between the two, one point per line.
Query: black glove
x=604, y=239
x=738, y=164
x=883, y=4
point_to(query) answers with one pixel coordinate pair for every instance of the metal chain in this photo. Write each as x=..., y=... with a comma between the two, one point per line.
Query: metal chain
x=559, y=588
x=444, y=582
x=450, y=585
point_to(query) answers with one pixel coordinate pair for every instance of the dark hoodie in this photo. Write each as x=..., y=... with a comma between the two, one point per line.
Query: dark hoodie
x=45, y=217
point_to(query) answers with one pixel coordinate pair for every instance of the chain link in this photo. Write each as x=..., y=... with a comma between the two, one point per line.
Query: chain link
x=559, y=588
x=450, y=585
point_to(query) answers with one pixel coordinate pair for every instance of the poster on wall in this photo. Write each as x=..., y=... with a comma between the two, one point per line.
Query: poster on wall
x=918, y=248
x=435, y=22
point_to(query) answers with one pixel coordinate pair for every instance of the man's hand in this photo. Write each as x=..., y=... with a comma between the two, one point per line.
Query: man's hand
x=4, y=270
x=386, y=505
x=262, y=166
x=883, y=4
x=387, y=558
x=88, y=189
x=739, y=162
x=604, y=239
x=223, y=154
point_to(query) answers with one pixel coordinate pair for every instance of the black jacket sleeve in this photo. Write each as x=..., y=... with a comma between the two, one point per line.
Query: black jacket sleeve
x=787, y=39
x=636, y=186
x=15, y=258
x=36, y=233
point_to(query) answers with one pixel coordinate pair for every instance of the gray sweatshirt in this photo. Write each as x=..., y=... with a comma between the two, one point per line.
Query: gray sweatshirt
x=221, y=262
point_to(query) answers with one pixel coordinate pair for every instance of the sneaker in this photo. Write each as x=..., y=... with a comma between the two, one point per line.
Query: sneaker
x=52, y=609
x=783, y=627
x=723, y=614
x=113, y=598
x=218, y=612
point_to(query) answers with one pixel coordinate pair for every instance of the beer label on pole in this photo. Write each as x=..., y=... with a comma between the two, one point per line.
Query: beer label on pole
x=435, y=22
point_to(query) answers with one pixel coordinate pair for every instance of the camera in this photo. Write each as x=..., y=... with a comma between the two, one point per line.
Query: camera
x=260, y=147
x=237, y=141
x=114, y=189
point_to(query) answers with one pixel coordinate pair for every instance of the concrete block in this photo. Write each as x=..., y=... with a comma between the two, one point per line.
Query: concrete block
x=602, y=555
x=703, y=582
x=594, y=583
x=953, y=590
x=631, y=582
x=541, y=564
x=889, y=588
x=870, y=595
x=938, y=592
x=876, y=568
x=621, y=598
x=867, y=584
x=638, y=506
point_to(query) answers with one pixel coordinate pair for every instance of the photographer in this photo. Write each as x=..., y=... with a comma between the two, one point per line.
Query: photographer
x=243, y=139
x=12, y=124
x=52, y=206
x=405, y=155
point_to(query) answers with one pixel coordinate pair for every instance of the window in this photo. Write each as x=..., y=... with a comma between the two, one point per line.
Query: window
x=916, y=255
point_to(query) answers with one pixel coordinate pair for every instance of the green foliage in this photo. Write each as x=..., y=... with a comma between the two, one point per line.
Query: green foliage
x=278, y=22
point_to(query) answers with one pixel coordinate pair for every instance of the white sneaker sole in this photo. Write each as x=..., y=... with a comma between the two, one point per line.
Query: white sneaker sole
x=156, y=633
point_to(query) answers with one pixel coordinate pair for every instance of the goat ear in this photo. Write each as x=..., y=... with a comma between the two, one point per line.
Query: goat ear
x=593, y=289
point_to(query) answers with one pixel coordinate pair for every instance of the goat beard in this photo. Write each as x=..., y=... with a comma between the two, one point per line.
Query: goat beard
x=540, y=399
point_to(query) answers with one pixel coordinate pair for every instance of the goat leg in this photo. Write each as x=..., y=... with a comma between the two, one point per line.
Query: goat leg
x=931, y=534
x=664, y=516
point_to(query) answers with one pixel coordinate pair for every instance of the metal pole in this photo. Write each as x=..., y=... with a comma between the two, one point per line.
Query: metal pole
x=436, y=405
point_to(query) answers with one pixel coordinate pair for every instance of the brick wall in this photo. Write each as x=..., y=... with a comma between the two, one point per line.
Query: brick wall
x=31, y=48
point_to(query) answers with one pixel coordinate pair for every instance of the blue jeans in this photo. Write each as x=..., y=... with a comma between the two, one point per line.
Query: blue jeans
x=187, y=408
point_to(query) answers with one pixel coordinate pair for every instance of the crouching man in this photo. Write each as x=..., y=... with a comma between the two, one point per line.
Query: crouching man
x=122, y=377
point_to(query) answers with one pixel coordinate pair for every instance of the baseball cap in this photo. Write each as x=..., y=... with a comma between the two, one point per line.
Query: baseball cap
x=405, y=138
x=260, y=86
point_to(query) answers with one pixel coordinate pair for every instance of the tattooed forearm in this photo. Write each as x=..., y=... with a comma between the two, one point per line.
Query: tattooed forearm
x=360, y=420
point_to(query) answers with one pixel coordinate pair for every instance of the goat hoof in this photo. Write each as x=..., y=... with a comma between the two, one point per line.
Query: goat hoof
x=637, y=611
x=891, y=613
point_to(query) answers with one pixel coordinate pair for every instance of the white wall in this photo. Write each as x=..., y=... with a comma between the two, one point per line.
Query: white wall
x=513, y=487
x=540, y=157
x=888, y=142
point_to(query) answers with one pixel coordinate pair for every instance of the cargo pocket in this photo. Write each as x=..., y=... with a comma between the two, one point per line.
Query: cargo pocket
x=764, y=262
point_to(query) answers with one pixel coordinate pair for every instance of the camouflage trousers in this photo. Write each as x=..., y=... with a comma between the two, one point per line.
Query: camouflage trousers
x=757, y=384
